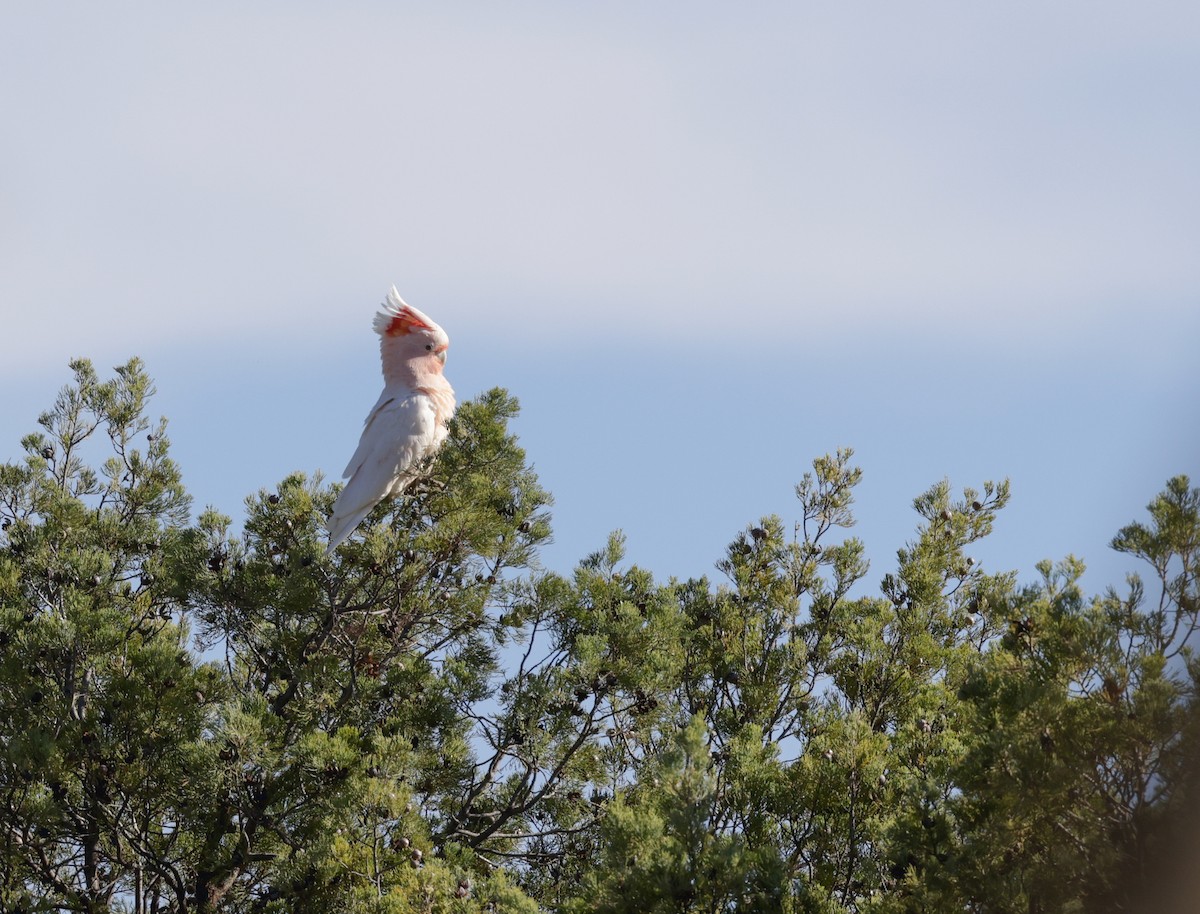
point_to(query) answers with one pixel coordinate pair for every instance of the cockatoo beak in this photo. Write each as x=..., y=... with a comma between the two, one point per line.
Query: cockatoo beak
x=441, y=354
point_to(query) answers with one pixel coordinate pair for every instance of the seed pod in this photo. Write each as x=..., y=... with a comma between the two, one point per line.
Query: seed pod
x=1112, y=690
x=1047, y=740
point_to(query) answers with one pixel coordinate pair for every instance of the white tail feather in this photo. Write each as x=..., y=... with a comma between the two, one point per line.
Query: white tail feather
x=341, y=526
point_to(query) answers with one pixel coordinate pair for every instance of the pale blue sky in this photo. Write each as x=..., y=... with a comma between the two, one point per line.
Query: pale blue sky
x=701, y=247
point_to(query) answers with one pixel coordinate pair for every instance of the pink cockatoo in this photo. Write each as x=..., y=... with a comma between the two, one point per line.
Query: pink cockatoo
x=407, y=425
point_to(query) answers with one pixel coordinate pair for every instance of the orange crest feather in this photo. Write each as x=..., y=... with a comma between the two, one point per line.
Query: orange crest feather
x=405, y=322
x=399, y=318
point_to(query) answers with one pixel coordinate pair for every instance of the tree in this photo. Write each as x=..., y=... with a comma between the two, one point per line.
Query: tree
x=1082, y=730
x=663, y=852
x=288, y=764
x=198, y=716
x=103, y=706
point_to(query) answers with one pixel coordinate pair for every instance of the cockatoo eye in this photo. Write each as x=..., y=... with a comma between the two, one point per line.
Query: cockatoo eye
x=429, y=347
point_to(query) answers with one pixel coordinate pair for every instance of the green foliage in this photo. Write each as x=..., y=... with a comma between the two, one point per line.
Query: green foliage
x=663, y=851
x=203, y=716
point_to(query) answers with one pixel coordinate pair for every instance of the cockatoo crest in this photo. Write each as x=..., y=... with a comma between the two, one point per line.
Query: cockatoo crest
x=399, y=318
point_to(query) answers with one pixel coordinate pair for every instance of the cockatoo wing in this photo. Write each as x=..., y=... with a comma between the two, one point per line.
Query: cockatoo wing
x=400, y=431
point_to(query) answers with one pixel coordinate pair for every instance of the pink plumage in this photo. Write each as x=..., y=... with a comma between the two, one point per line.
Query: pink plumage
x=408, y=422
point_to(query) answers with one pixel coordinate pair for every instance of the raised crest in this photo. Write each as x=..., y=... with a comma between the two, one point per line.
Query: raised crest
x=398, y=317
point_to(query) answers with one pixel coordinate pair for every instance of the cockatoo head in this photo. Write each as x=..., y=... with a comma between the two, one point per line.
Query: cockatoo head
x=409, y=336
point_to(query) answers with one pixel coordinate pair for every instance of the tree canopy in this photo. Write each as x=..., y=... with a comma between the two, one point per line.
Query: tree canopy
x=203, y=715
